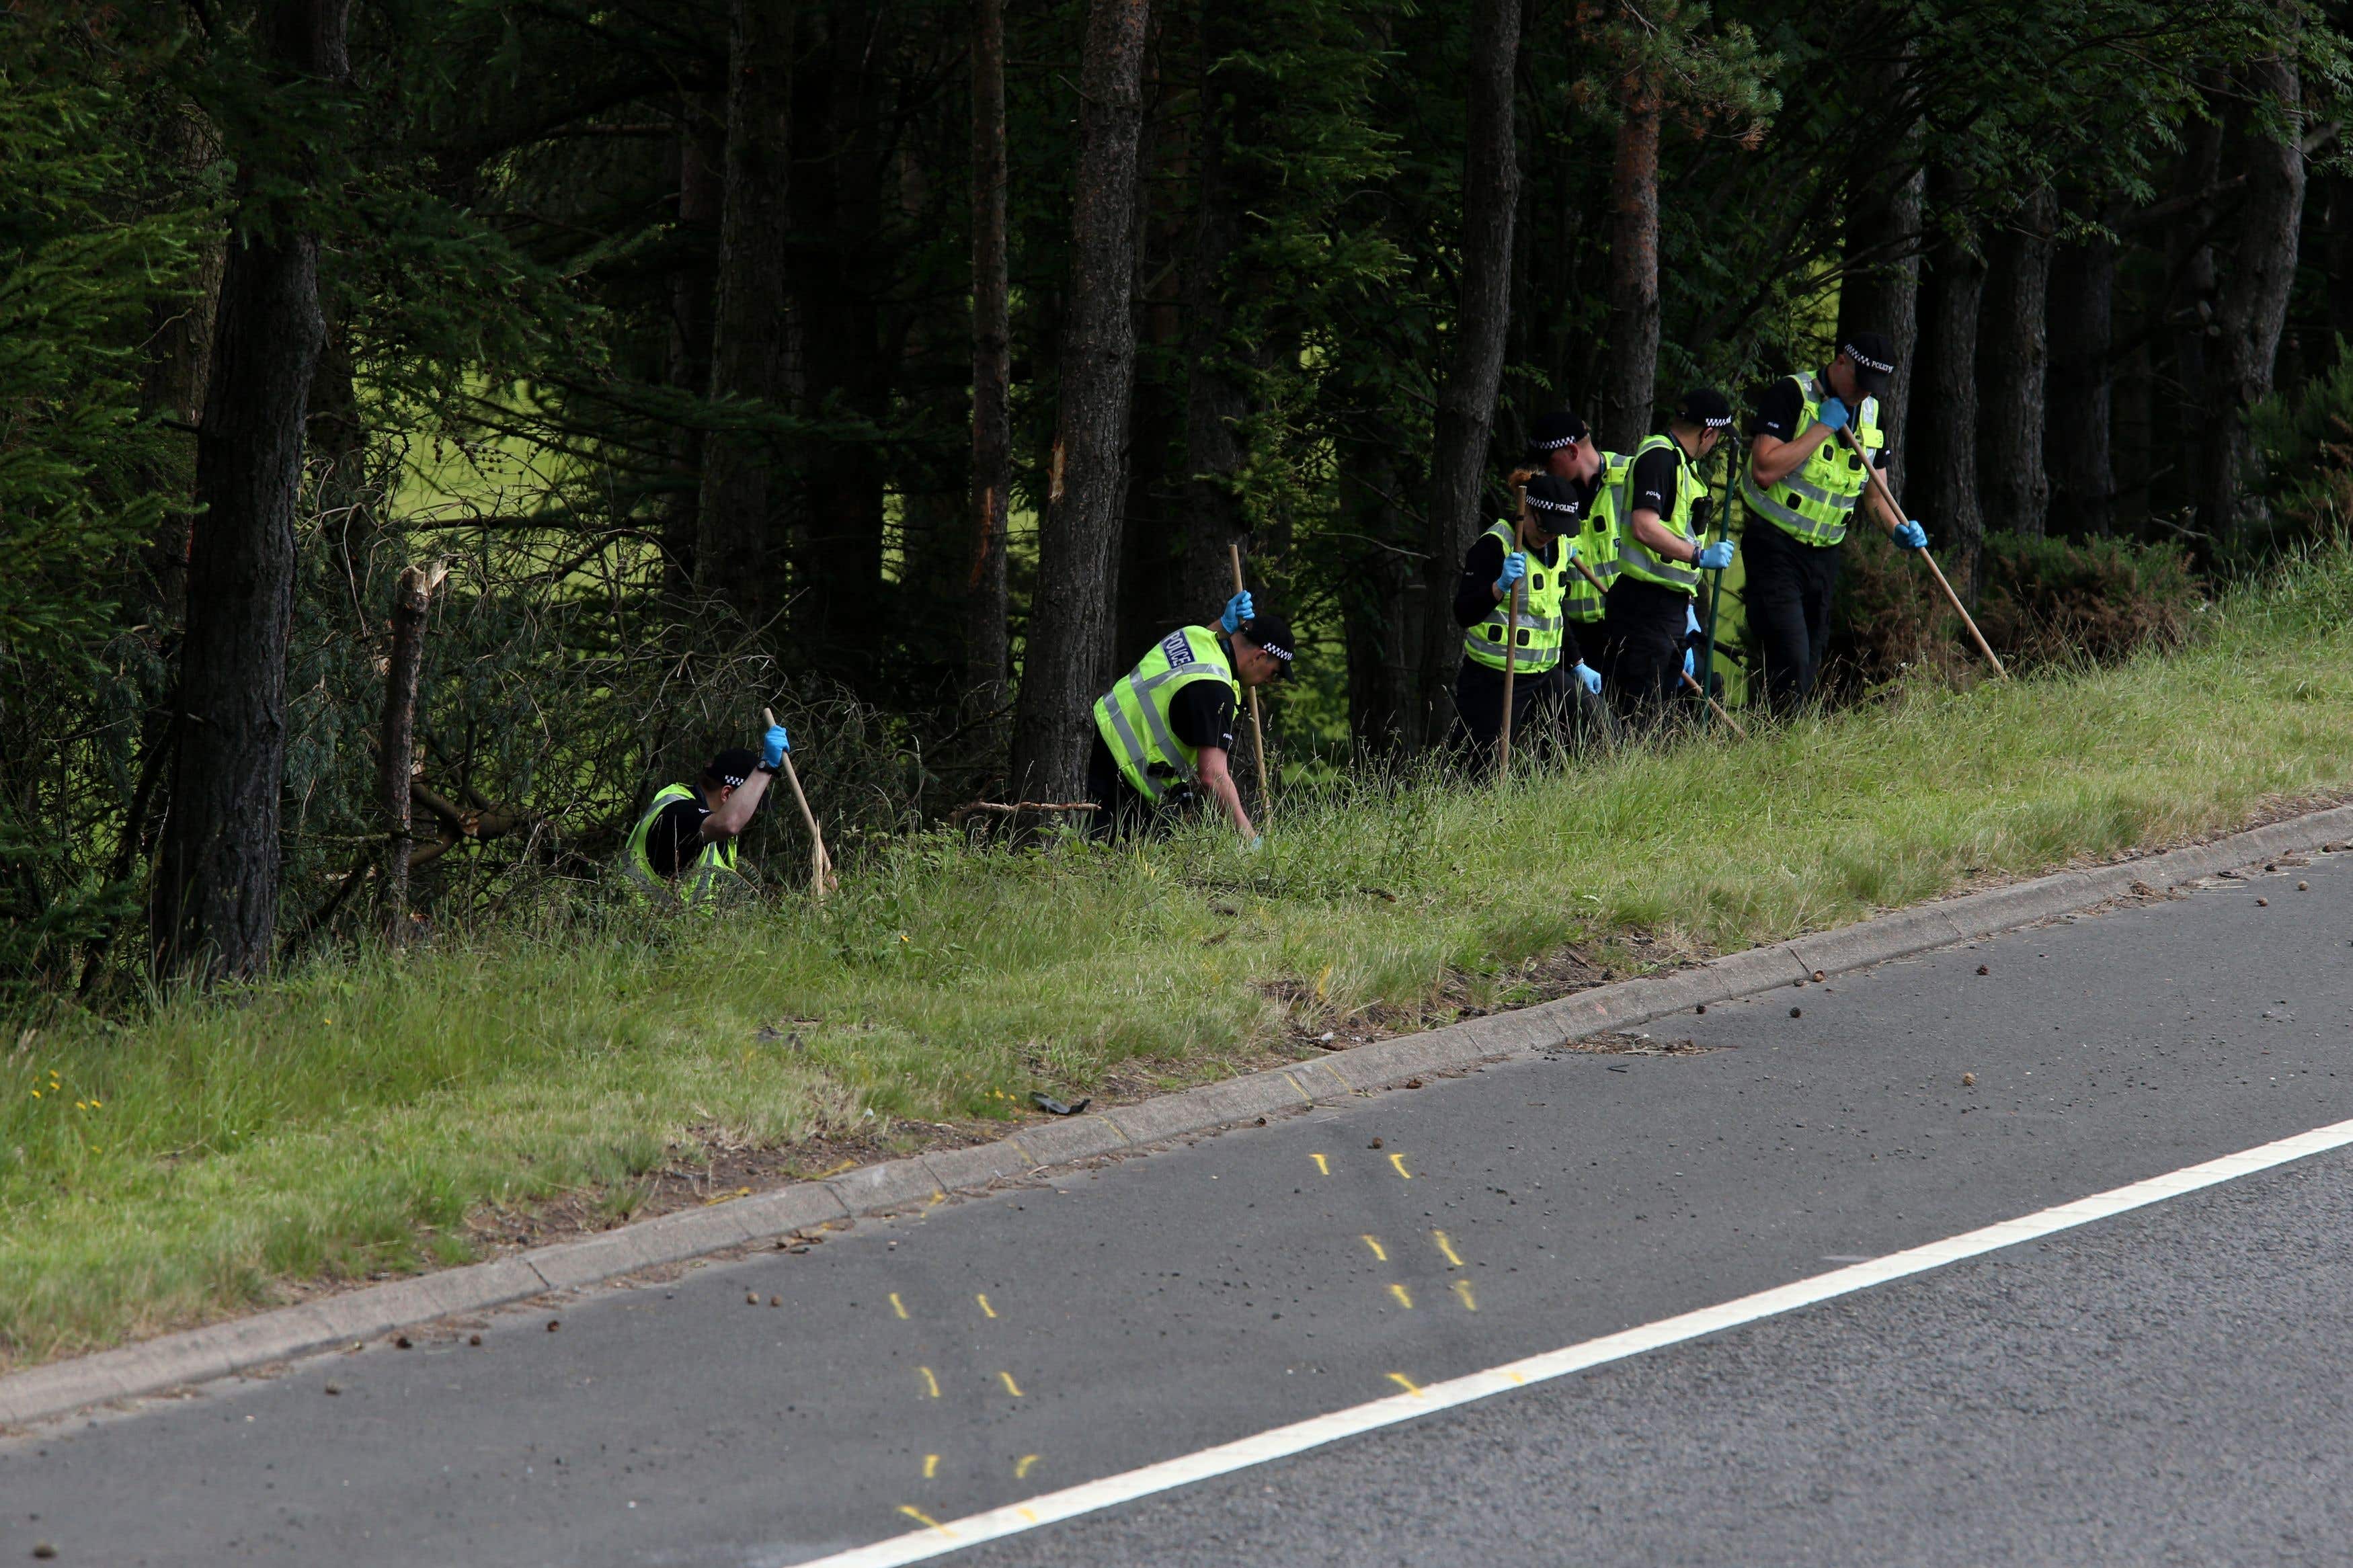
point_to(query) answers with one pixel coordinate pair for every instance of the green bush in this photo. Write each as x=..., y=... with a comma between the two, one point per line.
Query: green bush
x=2039, y=602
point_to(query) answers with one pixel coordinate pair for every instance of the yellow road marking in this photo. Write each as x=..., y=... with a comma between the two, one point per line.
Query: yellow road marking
x=920, y=1517
x=1447, y=1247
x=931, y=1467
x=1029, y=1514
x=985, y=1308
x=929, y=1381
x=1022, y=1470
x=1462, y=1289
x=1011, y=1387
x=1404, y=1298
x=1376, y=1245
x=898, y=1306
x=1398, y=1161
x=1322, y=1163
x=1402, y=1381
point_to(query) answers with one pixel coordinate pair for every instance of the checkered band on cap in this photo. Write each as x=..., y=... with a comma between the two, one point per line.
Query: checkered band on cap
x=1884, y=367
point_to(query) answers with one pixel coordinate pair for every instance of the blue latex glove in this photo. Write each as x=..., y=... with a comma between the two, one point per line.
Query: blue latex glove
x=1238, y=609
x=1255, y=843
x=1715, y=557
x=1589, y=676
x=1515, y=566
x=1690, y=621
x=1691, y=664
x=1832, y=414
x=1911, y=536
x=774, y=745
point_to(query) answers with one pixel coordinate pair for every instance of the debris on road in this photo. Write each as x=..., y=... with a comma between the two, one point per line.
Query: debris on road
x=1968, y=1080
x=1052, y=1107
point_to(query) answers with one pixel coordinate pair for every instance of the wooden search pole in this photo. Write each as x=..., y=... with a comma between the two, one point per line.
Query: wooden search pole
x=821, y=881
x=1713, y=706
x=1258, y=730
x=1512, y=642
x=1879, y=486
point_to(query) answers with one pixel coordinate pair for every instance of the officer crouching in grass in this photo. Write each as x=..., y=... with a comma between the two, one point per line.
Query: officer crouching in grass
x=1165, y=732
x=1661, y=557
x=683, y=852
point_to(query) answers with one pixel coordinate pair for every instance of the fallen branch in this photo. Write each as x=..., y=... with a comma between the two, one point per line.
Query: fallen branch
x=998, y=809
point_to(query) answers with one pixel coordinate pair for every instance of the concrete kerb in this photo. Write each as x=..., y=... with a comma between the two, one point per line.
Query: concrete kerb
x=223, y=1349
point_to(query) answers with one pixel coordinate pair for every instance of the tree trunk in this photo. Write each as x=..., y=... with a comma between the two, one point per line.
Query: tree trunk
x=1632, y=371
x=839, y=169
x=2014, y=370
x=2337, y=261
x=412, y=597
x=1943, y=487
x=2254, y=308
x=988, y=664
x=701, y=188
x=215, y=896
x=738, y=553
x=2080, y=451
x=2190, y=262
x=1880, y=292
x=1216, y=394
x=1466, y=405
x=1377, y=603
x=1068, y=660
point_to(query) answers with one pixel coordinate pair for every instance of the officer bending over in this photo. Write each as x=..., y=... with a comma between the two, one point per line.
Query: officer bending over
x=682, y=854
x=1804, y=480
x=1165, y=732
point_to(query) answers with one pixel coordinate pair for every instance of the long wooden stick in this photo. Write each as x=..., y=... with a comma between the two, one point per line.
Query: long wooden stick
x=821, y=881
x=1713, y=706
x=1879, y=484
x=1258, y=730
x=1512, y=645
x=1717, y=706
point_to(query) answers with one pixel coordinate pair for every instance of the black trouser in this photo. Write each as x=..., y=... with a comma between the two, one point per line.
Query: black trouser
x=1125, y=808
x=1539, y=704
x=1642, y=630
x=1789, y=588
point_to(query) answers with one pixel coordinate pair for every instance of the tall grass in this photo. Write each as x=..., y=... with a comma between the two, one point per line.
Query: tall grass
x=348, y=1118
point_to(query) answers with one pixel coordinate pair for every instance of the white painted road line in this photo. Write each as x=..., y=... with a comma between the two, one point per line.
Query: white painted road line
x=1282, y=1442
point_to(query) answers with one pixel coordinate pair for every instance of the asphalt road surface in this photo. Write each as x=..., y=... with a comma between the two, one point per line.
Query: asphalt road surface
x=2170, y=1384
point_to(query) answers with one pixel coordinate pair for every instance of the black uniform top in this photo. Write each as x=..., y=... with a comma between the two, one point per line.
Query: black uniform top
x=1202, y=713
x=1782, y=406
x=676, y=836
x=1652, y=486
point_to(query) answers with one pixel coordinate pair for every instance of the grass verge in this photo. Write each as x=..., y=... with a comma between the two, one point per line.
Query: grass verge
x=357, y=1118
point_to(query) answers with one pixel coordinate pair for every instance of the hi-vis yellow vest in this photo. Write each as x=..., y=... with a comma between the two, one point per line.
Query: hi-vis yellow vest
x=1537, y=631
x=1812, y=504
x=1636, y=557
x=1597, y=540
x=699, y=886
x=1133, y=717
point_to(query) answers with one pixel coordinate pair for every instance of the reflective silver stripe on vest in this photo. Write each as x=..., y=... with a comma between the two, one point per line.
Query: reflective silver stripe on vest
x=1169, y=749
x=1649, y=565
x=1140, y=758
x=1759, y=501
x=1522, y=658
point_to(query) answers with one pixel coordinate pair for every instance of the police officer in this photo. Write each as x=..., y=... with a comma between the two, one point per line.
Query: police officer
x=1562, y=446
x=1660, y=557
x=1165, y=732
x=1544, y=650
x=1803, y=480
x=682, y=854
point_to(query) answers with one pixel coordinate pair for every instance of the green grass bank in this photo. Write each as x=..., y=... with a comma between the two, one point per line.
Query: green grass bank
x=217, y=1154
